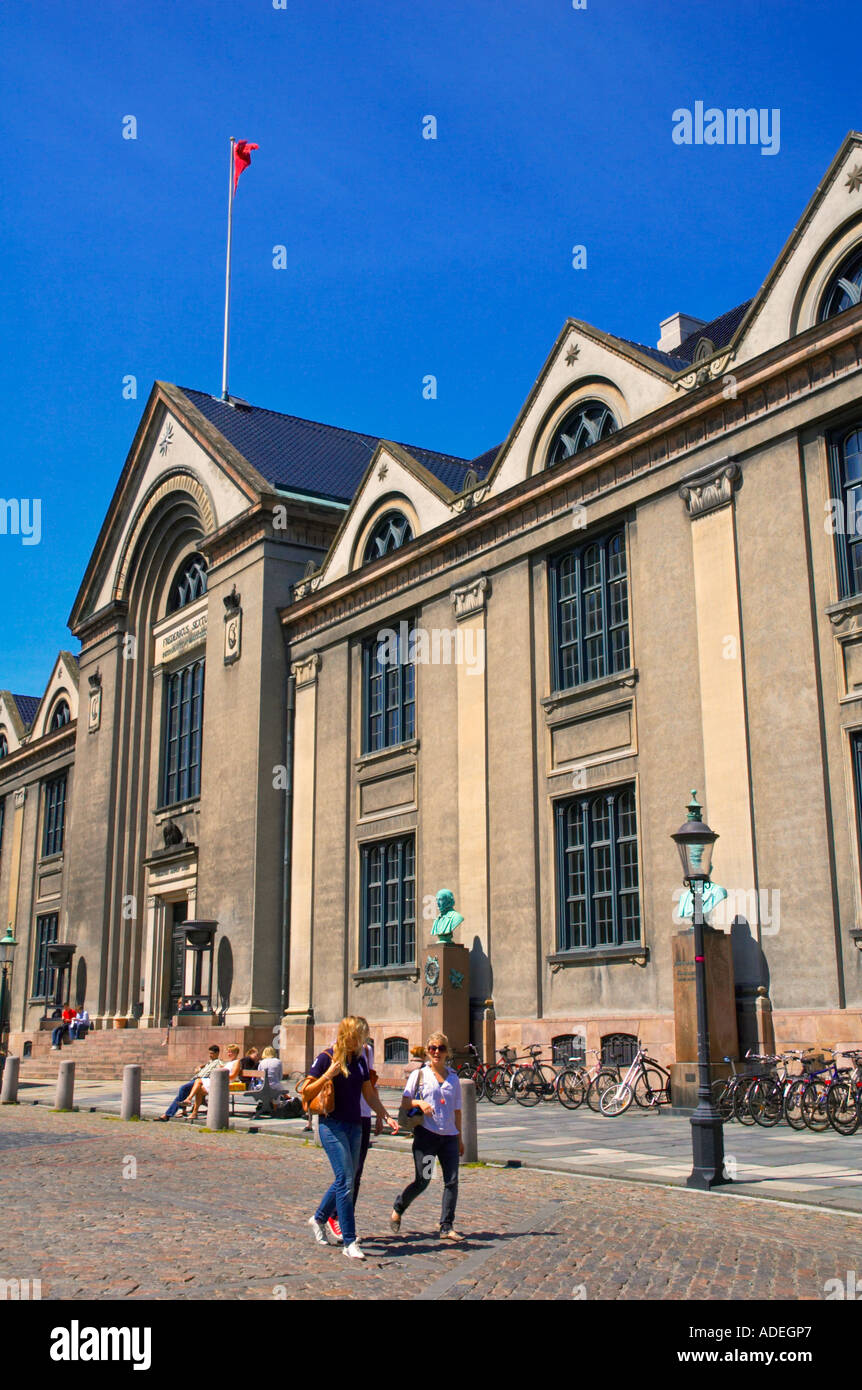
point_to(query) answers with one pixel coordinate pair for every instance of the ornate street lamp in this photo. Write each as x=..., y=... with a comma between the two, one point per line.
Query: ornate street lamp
x=695, y=840
x=7, y=951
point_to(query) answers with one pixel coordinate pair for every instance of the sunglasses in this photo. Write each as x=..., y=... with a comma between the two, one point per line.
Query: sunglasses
x=438, y=1049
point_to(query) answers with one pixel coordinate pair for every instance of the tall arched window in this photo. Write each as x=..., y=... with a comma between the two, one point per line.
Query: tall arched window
x=845, y=460
x=586, y=424
x=61, y=716
x=4, y=744
x=190, y=582
x=390, y=532
x=845, y=288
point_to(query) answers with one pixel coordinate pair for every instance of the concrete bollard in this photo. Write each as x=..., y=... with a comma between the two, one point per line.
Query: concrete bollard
x=65, y=1098
x=130, y=1105
x=9, y=1094
x=217, y=1106
x=469, y=1133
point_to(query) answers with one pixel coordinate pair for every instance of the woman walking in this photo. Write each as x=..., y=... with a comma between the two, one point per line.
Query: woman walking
x=341, y=1130
x=436, y=1091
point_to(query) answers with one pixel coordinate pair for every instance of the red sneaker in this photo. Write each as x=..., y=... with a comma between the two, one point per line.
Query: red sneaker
x=334, y=1227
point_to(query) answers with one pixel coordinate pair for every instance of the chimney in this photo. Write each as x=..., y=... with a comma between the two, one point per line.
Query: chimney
x=674, y=329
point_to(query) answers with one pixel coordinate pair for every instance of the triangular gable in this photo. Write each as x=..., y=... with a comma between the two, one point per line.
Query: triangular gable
x=63, y=684
x=583, y=362
x=393, y=479
x=173, y=441
x=11, y=722
x=788, y=299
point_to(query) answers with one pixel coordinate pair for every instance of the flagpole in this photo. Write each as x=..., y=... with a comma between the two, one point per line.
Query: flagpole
x=224, y=394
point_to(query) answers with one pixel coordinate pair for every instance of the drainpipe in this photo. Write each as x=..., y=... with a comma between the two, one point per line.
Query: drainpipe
x=288, y=832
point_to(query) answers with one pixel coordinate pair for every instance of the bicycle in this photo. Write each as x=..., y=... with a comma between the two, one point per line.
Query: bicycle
x=535, y=1082
x=498, y=1077
x=816, y=1093
x=646, y=1082
x=844, y=1100
x=577, y=1083
x=472, y=1068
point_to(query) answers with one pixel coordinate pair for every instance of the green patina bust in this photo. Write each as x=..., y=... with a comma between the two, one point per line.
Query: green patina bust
x=448, y=919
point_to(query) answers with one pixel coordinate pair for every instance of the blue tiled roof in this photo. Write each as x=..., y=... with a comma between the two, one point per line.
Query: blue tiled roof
x=719, y=331
x=27, y=707
x=299, y=455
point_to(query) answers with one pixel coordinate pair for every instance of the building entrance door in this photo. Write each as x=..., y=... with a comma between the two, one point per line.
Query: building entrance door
x=180, y=912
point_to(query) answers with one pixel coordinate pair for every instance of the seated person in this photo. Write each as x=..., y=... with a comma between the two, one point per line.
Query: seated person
x=270, y=1069
x=61, y=1033
x=201, y=1088
x=80, y=1024
x=250, y=1062
x=180, y=1100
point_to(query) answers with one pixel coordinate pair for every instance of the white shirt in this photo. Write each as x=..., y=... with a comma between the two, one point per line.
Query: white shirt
x=364, y=1108
x=445, y=1098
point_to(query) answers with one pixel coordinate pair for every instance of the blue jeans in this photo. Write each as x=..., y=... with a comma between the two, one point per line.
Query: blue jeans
x=341, y=1142
x=175, y=1104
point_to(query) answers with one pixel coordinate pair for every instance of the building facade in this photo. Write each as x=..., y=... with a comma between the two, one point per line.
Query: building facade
x=327, y=675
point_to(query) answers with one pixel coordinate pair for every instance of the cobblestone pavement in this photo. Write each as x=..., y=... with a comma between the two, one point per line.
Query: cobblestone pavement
x=824, y=1169
x=225, y=1215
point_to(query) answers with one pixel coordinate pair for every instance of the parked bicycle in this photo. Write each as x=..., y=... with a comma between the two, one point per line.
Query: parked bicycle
x=646, y=1082
x=577, y=1083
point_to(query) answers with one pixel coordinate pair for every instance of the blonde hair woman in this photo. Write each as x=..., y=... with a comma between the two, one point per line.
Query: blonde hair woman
x=201, y=1087
x=435, y=1090
x=341, y=1131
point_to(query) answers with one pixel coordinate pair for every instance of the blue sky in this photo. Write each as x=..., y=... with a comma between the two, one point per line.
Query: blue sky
x=405, y=256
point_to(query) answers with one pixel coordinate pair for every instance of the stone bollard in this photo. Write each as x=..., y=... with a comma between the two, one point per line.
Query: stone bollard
x=9, y=1094
x=217, y=1106
x=468, y=1122
x=130, y=1105
x=65, y=1098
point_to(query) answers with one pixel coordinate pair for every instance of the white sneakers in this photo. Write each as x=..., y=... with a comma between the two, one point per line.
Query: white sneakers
x=319, y=1228
x=324, y=1236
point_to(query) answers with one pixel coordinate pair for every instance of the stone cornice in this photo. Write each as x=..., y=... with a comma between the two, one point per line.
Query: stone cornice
x=42, y=750
x=709, y=488
x=104, y=623
x=777, y=379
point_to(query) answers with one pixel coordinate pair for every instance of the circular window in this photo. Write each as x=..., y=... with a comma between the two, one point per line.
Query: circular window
x=845, y=288
x=589, y=422
x=390, y=532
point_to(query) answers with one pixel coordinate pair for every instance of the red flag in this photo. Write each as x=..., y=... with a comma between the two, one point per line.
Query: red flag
x=241, y=159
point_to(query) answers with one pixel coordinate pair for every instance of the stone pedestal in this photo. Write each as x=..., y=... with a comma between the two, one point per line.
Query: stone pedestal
x=445, y=985
x=721, y=1005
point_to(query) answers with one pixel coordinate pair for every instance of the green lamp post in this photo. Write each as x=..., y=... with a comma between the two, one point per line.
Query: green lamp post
x=695, y=841
x=7, y=951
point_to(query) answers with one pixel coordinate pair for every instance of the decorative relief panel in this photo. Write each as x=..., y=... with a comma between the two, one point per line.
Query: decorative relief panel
x=386, y=795
x=591, y=736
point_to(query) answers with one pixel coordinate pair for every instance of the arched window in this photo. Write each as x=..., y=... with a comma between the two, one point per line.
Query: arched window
x=569, y=1047
x=4, y=744
x=190, y=582
x=845, y=288
x=396, y=1051
x=61, y=716
x=589, y=422
x=390, y=532
x=618, y=1049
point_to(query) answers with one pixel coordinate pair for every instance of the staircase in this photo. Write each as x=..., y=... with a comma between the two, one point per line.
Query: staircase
x=172, y=1054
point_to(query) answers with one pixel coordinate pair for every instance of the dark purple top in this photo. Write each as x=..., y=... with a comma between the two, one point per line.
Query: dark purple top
x=347, y=1089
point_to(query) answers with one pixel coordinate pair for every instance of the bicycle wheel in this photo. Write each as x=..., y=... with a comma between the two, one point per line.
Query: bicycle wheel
x=571, y=1090
x=526, y=1086
x=722, y=1098
x=841, y=1109
x=793, y=1103
x=600, y=1083
x=497, y=1085
x=649, y=1089
x=814, y=1106
x=616, y=1099
x=765, y=1101
x=741, y=1111
x=547, y=1076
x=469, y=1071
